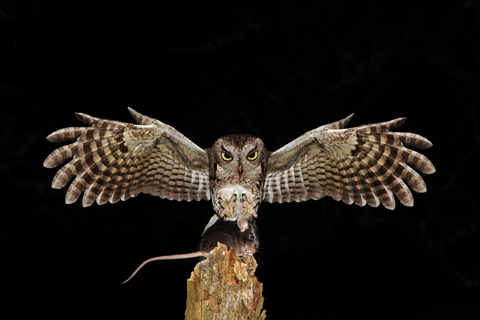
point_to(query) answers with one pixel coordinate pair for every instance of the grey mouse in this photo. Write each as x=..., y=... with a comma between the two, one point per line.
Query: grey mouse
x=244, y=243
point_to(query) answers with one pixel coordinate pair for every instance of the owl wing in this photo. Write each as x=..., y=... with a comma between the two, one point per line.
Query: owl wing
x=113, y=160
x=362, y=165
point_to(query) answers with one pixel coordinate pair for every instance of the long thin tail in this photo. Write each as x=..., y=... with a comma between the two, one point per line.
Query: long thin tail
x=171, y=257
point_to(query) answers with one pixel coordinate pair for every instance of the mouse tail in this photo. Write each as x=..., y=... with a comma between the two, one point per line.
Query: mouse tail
x=171, y=257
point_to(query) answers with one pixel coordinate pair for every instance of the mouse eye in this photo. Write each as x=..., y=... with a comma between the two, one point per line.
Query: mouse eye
x=226, y=156
x=251, y=237
x=252, y=156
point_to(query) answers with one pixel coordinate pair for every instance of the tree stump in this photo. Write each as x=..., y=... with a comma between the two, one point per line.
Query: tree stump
x=224, y=287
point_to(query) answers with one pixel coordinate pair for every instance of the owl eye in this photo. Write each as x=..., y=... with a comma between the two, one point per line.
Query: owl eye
x=226, y=156
x=252, y=156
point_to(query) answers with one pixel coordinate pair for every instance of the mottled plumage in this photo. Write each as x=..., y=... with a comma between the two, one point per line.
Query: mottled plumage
x=113, y=160
x=237, y=185
x=362, y=165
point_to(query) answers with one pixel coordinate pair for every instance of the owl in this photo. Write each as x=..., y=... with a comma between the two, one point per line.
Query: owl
x=113, y=160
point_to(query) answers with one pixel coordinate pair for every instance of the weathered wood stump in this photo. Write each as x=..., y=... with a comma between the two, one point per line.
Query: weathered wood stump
x=224, y=287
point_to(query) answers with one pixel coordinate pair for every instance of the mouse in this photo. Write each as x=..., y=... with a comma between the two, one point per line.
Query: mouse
x=244, y=243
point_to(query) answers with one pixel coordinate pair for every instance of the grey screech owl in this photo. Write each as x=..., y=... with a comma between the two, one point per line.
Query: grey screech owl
x=113, y=160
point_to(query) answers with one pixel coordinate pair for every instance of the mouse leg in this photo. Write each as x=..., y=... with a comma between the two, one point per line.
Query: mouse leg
x=244, y=254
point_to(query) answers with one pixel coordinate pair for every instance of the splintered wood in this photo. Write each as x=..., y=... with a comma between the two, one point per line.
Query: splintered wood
x=224, y=287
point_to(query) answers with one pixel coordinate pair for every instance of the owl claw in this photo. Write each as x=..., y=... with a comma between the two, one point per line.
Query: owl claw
x=235, y=201
x=244, y=197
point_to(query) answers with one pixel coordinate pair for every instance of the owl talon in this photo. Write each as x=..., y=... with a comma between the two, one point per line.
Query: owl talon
x=243, y=198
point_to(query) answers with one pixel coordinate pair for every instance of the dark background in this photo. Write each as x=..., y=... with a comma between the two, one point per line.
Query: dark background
x=273, y=70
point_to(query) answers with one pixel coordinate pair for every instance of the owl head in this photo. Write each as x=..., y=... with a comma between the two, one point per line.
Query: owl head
x=238, y=157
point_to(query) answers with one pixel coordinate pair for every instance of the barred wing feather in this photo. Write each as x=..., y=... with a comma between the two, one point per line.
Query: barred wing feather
x=368, y=164
x=113, y=160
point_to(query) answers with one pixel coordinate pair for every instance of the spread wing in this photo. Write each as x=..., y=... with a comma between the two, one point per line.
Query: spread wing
x=363, y=165
x=113, y=160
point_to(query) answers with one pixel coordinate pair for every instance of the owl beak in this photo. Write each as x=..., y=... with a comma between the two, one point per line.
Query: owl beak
x=240, y=170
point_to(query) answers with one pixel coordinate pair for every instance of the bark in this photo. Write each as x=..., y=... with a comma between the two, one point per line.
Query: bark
x=224, y=287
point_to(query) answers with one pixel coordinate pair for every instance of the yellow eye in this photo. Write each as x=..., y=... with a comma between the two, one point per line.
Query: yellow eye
x=226, y=156
x=252, y=156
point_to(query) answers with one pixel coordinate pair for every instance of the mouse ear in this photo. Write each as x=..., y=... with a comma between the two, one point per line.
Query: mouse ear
x=242, y=223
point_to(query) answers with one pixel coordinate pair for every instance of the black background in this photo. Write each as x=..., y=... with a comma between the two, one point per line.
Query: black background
x=274, y=70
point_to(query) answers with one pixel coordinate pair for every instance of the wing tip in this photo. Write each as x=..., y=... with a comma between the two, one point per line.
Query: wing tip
x=137, y=116
x=346, y=120
x=49, y=164
x=400, y=121
x=426, y=144
x=85, y=118
x=390, y=205
x=51, y=137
